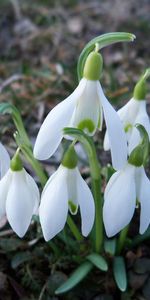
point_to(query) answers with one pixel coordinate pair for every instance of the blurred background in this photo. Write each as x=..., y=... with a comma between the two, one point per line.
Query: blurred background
x=40, y=42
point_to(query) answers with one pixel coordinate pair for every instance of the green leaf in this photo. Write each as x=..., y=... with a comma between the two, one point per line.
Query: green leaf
x=20, y=258
x=98, y=261
x=7, y=108
x=102, y=41
x=79, y=274
x=119, y=271
x=110, y=246
x=140, y=238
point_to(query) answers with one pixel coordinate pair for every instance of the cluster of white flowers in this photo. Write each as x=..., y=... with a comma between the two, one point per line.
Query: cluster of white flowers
x=66, y=189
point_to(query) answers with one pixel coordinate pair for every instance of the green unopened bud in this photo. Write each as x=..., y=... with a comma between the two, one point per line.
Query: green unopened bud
x=16, y=163
x=93, y=66
x=139, y=155
x=136, y=157
x=140, y=88
x=70, y=158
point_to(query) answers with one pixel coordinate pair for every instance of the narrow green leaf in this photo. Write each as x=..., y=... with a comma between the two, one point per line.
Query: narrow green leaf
x=120, y=275
x=102, y=41
x=8, y=108
x=110, y=246
x=140, y=238
x=98, y=261
x=78, y=275
x=20, y=258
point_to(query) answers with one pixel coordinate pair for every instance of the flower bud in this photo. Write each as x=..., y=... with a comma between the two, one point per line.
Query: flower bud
x=139, y=155
x=136, y=156
x=16, y=163
x=70, y=158
x=93, y=66
x=140, y=88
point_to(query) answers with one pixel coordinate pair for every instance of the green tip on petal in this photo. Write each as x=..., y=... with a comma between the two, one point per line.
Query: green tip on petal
x=70, y=158
x=140, y=88
x=73, y=207
x=93, y=66
x=16, y=163
x=87, y=125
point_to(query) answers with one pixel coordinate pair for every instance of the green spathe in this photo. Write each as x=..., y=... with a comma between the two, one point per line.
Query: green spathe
x=70, y=158
x=93, y=66
x=16, y=163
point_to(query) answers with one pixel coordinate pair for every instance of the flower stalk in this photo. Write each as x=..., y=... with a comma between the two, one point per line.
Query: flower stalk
x=95, y=180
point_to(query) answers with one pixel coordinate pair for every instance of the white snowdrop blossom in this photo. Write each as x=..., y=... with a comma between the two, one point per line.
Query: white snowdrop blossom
x=122, y=191
x=65, y=190
x=19, y=199
x=83, y=109
x=4, y=161
x=134, y=112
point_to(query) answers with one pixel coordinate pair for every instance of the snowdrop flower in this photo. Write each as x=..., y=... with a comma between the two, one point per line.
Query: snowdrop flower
x=83, y=109
x=65, y=190
x=123, y=189
x=19, y=198
x=4, y=161
x=132, y=113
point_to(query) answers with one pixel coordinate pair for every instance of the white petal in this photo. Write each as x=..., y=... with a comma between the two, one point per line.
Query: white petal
x=120, y=200
x=106, y=144
x=87, y=110
x=143, y=195
x=34, y=190
x=72, y=190
x=117, y=138
x=54, y=205
x=19, y=203
x=128, y=112
x=4, y=187
x=86, y=203
x=143, y=119
x=4, y=161
x=50, y=134
x=127, y=115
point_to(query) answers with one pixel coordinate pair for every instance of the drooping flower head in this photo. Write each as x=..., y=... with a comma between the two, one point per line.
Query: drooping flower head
x=132, y=113
x=66, y=190
x=19, y=197
x=83, y=109
x=4, y=161
x=124, y=188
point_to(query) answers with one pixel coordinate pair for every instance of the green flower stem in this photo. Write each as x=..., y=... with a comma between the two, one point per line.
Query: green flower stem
x=101, y=42
x=122, y=239
x=74, y=229
x=96, y=181
x=96, y=189
x=28, y=154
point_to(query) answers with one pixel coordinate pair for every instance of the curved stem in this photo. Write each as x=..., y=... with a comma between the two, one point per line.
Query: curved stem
x=74, y=229
x=122, y=239
x=96, y=181
x=101, y=42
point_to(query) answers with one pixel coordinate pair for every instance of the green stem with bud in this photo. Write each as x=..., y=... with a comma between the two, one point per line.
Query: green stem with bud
x=122, y=239
x=96, y=181
x=101, y=42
